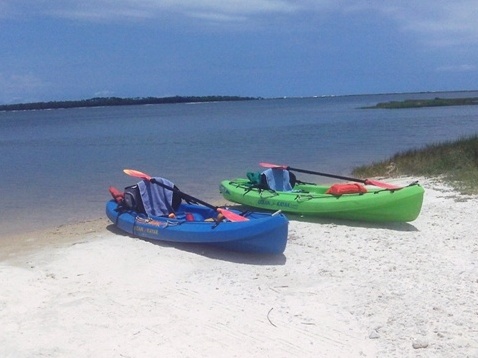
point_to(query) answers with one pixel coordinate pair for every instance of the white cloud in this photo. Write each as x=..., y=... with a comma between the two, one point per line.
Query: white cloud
x=13, y=87
x=435, y=22
x=218, y=17
x=457, y=68
x=17, y=82
x=113, y=10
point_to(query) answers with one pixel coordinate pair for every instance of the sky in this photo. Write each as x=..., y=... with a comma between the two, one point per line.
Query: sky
x=53, y=50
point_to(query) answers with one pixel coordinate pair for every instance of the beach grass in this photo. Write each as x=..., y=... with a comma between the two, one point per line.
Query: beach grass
x=455, y=162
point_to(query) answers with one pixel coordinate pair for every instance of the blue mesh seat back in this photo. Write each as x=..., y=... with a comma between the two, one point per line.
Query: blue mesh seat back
x=157, y=201
x=278, y=179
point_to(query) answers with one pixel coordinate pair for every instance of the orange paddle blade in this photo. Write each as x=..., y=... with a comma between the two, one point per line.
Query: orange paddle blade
x=270, y=165
x=137, y=174
x=381, y=184
x=231, y=215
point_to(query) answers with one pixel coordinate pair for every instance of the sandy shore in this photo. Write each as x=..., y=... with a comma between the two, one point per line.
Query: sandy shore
x=341, y=289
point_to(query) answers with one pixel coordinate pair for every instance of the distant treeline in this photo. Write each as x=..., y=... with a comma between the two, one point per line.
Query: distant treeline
x=116, y=101
x=417, y=103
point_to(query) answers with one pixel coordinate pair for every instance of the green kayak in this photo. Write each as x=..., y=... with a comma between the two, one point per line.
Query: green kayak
x=370, y=204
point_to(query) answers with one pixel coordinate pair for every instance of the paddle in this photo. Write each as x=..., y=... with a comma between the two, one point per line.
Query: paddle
x=226, y=213
x=363, y=181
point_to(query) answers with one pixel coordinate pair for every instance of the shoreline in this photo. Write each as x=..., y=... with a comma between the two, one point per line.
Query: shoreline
x=341, y=289
x=52, y=235
x=28, y=242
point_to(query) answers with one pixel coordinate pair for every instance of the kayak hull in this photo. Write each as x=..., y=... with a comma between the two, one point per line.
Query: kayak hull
x=378, y=205
x=263, y=233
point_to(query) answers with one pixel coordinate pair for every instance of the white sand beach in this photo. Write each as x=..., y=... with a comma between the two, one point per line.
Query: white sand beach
x=341, y=289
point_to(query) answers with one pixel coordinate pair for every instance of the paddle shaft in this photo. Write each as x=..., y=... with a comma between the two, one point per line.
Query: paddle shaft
x=328, y=175
x=184, y=195
x=363, y=181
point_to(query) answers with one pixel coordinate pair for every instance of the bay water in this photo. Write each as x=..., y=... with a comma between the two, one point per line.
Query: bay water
x=56, y=165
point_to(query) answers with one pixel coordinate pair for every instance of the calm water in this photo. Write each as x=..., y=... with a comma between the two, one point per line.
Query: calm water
x=56, y=165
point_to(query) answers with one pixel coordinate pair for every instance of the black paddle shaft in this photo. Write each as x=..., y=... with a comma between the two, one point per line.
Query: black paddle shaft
x=327, y=175
x=184, y=195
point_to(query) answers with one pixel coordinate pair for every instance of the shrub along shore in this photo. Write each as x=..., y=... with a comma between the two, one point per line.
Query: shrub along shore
x=418, y=103
x=117, y=101
x=455, y=162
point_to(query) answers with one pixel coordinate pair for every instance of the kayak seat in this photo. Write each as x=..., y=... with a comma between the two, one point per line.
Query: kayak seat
x=132, y=199
x=157, y=200
x=278, y=179
x=145, y=198
x=273, y=179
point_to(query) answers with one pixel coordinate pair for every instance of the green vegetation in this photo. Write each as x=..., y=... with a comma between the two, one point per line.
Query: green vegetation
x=116, y=101
x=417, y=103
x=455, y=162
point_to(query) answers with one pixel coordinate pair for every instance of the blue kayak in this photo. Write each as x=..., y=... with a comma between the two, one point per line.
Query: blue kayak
x=263, y=233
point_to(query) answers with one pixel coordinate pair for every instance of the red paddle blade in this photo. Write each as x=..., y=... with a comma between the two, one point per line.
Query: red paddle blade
x=231, y=215
x=137, y=174
x=381, y=184
x=270, y=165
